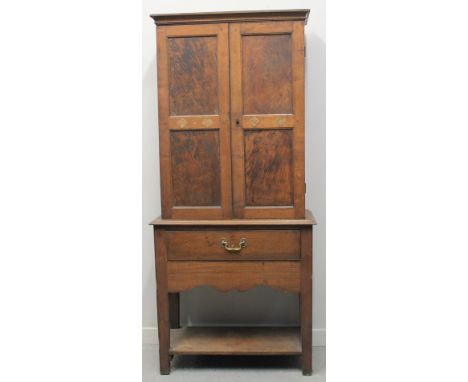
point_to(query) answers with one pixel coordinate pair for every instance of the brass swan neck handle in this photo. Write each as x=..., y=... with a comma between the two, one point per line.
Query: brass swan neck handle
x=232, y=248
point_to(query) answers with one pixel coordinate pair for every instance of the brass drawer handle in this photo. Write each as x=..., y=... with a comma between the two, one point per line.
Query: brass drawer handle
x=232, y=248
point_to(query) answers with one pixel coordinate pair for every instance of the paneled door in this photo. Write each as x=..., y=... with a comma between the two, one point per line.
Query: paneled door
x=267, y=119
x=193, y=93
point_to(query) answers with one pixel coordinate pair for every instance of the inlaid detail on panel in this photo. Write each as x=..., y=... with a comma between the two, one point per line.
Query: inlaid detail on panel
x=269, y=168
x=182, y=123
x=267, y=74
x=207, y=122
x=254, y=121
x=193, y=75
x=195, y=168
x=281, y=121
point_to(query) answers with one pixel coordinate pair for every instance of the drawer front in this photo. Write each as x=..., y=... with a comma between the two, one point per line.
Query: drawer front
x=233, y=245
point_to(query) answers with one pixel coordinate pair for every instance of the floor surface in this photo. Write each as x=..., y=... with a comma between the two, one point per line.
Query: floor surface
x=232, y=368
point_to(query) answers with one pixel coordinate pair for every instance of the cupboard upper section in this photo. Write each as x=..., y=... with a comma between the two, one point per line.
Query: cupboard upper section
x=231, y=115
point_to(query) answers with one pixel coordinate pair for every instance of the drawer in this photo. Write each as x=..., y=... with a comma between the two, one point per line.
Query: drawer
x=233, y=245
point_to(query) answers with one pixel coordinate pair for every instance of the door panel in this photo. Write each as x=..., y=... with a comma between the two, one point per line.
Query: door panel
x=267, y=119
x=195, y=155
x=193, y=84
x=268, y=168
x=193, y=93
x=267, y=71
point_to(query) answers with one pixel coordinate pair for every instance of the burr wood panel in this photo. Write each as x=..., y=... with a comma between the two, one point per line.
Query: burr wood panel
x=267, y=74
x=195, y=168
x=193, y=75
x=269, y=168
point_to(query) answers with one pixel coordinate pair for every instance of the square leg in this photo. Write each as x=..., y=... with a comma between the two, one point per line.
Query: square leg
x=162, y=297
x=306, y=300
x=163, y=333
x=174, y=310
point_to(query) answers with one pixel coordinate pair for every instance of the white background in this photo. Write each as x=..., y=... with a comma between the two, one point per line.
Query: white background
x=206, y=306
x=70, y=192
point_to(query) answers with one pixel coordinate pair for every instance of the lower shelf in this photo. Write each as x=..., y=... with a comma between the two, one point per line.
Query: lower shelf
x=236, y=341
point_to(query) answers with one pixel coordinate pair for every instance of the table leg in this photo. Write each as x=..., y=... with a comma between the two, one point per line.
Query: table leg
x=174, y=310
x=162, y=302
x=306, y=300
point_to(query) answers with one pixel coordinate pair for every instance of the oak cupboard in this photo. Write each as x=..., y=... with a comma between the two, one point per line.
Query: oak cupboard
x=231, y=140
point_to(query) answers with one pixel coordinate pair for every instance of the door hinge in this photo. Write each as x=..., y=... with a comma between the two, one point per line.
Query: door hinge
x=305, y=188
x=305, y=53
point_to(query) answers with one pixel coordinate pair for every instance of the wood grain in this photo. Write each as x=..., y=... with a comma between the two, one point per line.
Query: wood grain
x=299, y=130
x=241, y=276
x=193, y=79
x=267, y=74
x=271, y=82
x=308, y=220
x=163, y=114
x=236, y=341
x=306, y=300
x=206, y=245
x=204, y=212
x=162, y=299
x=195, y=160
x=269, y=168
x=237, y=134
